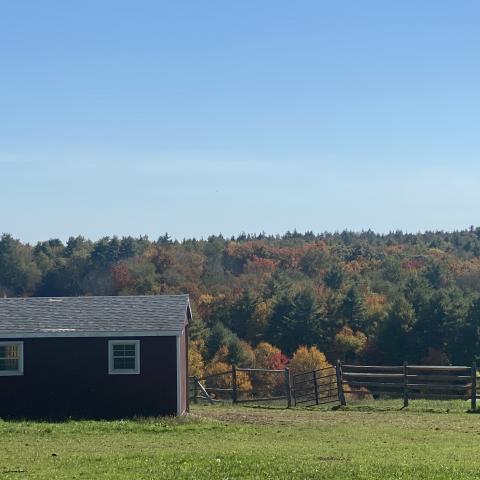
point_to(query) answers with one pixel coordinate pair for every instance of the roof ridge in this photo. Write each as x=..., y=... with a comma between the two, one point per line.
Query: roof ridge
x=97, y=296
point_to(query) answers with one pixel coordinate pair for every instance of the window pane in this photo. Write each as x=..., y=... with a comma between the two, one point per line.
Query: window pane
x=121, y=350
x=124, y=363
x=9, y=351
x=129, y=354
x=124, y=356
x=8, y=364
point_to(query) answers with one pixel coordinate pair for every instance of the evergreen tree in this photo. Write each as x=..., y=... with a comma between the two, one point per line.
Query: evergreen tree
x=353, y=310
x=395, y=333
x=296, y=321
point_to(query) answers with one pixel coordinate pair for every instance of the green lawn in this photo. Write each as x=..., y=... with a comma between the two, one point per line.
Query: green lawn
x=434, y=440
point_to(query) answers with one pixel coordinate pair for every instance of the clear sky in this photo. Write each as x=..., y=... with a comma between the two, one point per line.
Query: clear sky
x=199, y=117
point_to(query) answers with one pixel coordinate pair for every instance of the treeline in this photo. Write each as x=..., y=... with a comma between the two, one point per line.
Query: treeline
x=355, y=296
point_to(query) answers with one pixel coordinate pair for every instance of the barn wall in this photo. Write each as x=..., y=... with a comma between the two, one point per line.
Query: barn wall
x=69, y=377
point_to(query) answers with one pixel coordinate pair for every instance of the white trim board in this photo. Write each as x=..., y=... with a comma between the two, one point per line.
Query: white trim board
x=111, y=369
x=179, y=382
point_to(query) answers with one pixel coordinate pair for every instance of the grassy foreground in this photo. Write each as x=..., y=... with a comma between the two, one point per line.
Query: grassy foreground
x=366, y=441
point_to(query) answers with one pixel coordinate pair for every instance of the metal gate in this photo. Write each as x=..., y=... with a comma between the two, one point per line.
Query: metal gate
x=317, y=387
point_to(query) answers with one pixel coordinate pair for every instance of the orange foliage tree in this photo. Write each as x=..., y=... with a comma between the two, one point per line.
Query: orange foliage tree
x=269, y=357
x=220, y=367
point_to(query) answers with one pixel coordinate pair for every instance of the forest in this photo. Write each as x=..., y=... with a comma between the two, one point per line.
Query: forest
x=261, y=299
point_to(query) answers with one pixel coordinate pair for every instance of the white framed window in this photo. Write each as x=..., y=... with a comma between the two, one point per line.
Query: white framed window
x=123, y=357
x=11, y=358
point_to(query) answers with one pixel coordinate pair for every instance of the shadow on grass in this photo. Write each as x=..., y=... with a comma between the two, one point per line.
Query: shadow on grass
x=369, y=406
x=415, y=406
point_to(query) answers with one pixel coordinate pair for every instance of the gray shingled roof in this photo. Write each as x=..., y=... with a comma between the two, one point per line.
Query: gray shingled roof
x=61, y=316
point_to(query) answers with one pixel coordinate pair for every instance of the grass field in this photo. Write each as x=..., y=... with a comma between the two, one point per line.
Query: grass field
x=378, y=440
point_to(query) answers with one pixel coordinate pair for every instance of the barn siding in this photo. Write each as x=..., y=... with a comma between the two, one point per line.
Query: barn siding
x=66, y=377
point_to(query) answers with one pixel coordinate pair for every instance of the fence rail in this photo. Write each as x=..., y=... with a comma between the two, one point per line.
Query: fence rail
x=333, y=383
x=245, y=385
x=413, y=381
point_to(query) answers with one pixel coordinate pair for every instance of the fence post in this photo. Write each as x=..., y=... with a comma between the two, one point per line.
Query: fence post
x=195, y=389
x=288, y=387
x=234, y=384
x=474, y=387
x=315, y=385
x=405, y=384
x=341, y=393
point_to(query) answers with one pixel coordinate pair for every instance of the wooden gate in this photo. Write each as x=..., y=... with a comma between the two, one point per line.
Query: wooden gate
x=317, y=387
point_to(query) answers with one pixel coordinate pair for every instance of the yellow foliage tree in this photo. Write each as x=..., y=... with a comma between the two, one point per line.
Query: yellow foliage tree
x=206, y=299
x=307, y=359
x=215, y=369
x=219, y=365
x=348, y=342
x=196, y=365
x=244, y=383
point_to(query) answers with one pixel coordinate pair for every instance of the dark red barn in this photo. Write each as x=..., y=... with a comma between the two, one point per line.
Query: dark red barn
x=98, y=357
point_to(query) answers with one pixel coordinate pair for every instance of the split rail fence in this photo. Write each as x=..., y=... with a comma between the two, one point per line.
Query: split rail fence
x=412, y=381
x=334, y=384
x=244, y=385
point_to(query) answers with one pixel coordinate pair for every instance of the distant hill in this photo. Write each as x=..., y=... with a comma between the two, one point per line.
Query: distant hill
x=378, y=297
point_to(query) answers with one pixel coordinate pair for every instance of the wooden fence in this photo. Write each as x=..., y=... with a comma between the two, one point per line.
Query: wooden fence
x=411, y=381
x=333, y=384
x=244, y=385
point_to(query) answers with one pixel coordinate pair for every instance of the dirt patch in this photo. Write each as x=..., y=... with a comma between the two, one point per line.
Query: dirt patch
x=326, y=419
x=259, y=416
x=248, y=417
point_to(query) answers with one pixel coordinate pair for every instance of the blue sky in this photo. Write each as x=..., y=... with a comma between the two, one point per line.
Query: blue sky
x=200, y=117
